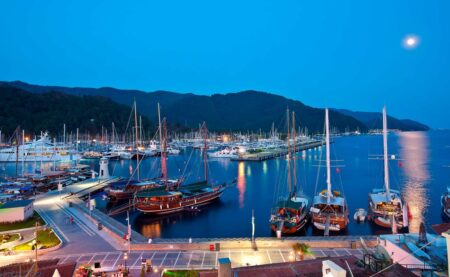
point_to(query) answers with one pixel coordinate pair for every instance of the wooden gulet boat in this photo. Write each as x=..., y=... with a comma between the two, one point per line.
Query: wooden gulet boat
x=166, y=200
x=386, y=208
x=125, y=189
x=290, y=214
x=329, y=211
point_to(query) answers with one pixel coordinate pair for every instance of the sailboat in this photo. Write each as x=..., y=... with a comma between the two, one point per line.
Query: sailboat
x=126, y=189
x=329, y=211
x=385, y=205
x=168, y=200
x=290, y=214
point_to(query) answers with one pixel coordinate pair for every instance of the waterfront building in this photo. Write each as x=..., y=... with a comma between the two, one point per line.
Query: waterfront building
x=15, y=211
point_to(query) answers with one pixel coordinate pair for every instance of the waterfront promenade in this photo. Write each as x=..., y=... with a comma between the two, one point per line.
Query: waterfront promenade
x=84, y=243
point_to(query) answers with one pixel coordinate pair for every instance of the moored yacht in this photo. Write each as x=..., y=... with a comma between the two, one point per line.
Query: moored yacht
x=290, y=213
x=385, y=205
x=165, y=200
x=227, y=152
x=39, y=150
x=125, y=189
x=329, y=210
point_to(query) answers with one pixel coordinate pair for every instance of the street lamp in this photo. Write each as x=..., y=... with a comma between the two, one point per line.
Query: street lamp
x=35, y=243
x=125, y=257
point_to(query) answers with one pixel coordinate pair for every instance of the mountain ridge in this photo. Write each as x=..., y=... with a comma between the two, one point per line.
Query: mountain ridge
x=257, y=110
x=50, y=110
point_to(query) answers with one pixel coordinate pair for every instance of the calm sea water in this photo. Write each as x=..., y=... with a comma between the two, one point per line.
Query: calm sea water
x=420, y=171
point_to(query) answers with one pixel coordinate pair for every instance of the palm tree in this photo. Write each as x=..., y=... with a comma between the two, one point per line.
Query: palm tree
x=301, y=249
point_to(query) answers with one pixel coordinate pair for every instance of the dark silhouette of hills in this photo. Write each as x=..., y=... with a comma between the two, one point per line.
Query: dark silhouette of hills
x=241, y=111
x=48, y=111
x=374, y=120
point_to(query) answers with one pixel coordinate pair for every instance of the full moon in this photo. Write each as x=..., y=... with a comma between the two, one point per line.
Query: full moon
x=410, y=41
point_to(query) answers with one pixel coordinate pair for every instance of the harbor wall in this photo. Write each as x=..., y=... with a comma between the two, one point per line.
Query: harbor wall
x=214, y=245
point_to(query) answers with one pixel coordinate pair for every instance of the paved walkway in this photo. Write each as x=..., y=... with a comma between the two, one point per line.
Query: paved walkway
x=80, y=235
x=195, y=259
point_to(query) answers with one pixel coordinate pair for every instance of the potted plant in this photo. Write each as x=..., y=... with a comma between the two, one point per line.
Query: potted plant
x=301, y=249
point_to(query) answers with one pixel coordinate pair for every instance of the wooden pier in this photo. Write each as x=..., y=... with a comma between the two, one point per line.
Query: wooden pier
x=266, y=155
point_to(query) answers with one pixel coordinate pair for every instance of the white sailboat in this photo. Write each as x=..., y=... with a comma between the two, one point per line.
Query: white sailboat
x=386, y=208
x=329, y=210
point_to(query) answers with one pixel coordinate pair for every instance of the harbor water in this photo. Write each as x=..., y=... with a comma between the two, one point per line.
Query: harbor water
x=419, y=168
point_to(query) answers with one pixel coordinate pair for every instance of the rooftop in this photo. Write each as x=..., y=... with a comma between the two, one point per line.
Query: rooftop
x=16, y=204
x=309, y=268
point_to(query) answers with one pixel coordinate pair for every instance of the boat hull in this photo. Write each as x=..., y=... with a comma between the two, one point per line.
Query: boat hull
x=169, y=208
x=289, y=229
x=122, y=195
x=39, y=158
x=337, y=223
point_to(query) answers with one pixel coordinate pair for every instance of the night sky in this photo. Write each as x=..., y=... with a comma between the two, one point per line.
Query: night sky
x=343, y=54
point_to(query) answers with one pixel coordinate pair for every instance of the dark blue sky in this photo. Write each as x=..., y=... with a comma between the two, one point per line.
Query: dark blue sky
x=344, y=54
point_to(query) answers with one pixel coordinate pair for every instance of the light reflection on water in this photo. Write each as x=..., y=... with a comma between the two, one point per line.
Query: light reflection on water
x=151, y=230
x=415, y=152
x=241, y=183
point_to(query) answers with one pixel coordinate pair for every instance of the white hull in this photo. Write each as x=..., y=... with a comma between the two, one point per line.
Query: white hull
x=50, y=158
x=332, y=227
x=214, y=155
x=360, y=215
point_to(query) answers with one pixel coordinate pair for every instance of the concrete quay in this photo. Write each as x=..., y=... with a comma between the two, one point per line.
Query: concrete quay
x=85, y=243
x=271, y=154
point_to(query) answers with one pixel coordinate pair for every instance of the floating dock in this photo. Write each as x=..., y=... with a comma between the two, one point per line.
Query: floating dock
x=270, y=154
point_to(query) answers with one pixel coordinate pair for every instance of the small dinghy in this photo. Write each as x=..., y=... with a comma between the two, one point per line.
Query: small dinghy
x=332, y=227
x=360, y=215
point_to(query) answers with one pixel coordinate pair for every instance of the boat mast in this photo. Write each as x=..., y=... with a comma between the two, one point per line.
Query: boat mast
x=385, y=156
x=23, y=152
x=294, y=151
x=76, y=160
x=327, y=141
x=17, y=150
x=137, y=139
x=289, y=153
x=164, y=155
x=140, y=129
x=113, y=131
x=205, y=164
x=162, y=148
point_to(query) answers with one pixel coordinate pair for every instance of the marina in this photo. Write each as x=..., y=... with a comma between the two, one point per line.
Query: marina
x=224, y=139
x=254, y=188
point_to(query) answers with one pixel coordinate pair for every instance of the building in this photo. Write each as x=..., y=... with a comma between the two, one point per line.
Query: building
x=310, y=268
x=18, y=210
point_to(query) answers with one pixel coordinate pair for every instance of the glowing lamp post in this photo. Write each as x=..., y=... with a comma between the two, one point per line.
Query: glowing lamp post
x=125, y=257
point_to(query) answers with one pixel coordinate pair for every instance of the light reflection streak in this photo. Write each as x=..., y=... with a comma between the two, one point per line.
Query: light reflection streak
x=151, y=230
x=414, y=151
x=241, y=183
x=265, y=167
